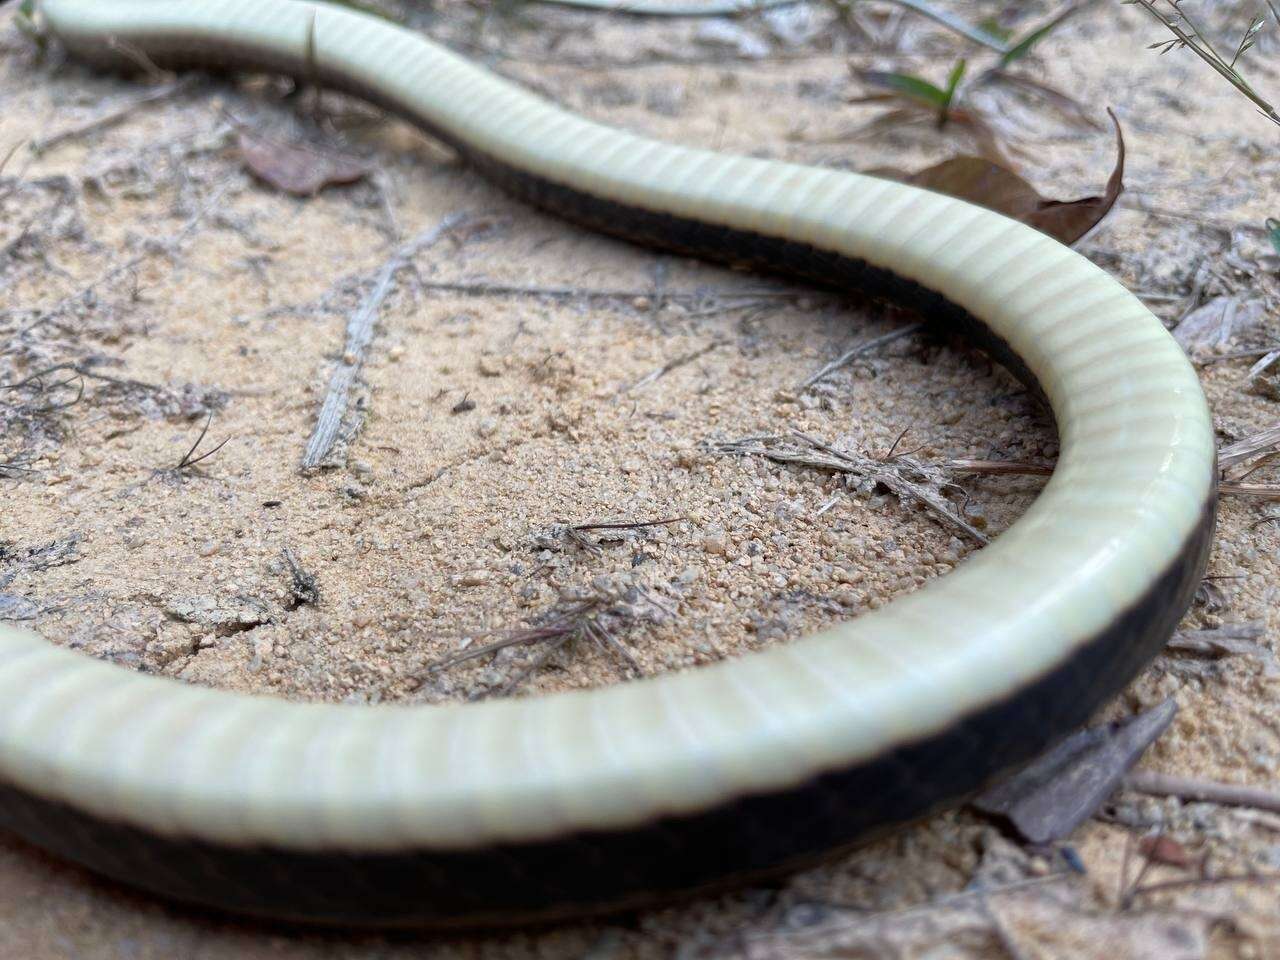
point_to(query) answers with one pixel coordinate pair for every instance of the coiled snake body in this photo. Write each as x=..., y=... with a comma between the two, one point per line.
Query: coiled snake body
x=510, y=811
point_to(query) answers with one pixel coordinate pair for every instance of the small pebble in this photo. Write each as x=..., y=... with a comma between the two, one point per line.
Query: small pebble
x=714, y=545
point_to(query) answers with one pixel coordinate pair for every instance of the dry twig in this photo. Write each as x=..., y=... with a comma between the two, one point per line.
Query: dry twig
x=360, y=326
x=859, y=350
x=905, y=477
x=1192, y=788
x=596, y=614
x=110, y=119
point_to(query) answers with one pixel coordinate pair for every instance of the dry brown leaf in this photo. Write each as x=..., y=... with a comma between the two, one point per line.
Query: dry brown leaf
x=296, y=169
x=990, y=185
x=1057, y=792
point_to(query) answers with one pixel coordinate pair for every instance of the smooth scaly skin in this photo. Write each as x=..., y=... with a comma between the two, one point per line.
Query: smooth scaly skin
x=515, y=810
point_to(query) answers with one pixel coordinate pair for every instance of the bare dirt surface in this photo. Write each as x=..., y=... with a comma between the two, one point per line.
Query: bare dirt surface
x=527, y=380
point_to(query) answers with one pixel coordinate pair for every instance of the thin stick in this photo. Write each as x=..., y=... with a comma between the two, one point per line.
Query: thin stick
x=625, y=526
x=1258, y=491
x=670, y=365
x=1249, y=447
x=358, y=337
x=111, y=273
x=188, y=460
x=1191, y=788
x=481, y=288
x=903, y=488
x=109, y=120
x=856, y=351
x=890, y=474
x=999, y=468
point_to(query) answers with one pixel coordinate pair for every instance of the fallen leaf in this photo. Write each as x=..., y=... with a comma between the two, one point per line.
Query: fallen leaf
x=1053, y=795
x=296, y=169
x=990, y=185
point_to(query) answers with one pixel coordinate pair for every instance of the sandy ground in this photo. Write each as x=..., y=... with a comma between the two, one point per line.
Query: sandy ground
x=526, y=378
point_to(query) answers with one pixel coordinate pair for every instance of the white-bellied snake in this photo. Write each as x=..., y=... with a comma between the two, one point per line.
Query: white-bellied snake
x=528, y=809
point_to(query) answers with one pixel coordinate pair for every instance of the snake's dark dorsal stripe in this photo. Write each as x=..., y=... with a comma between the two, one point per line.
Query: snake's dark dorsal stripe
x=514, y=810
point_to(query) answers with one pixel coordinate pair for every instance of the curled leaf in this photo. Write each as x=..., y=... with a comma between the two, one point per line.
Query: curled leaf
x=296, y=169
x=997, y=188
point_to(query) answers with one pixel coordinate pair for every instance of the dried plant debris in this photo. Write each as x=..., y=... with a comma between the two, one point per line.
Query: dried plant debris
x=1263, y=377
x=223, y=617
x=15, y=560
x=338, y=419
x=995, y=187
x=1210, y=329
x=124, y=396
x=190, y=460
x=907, y=478
x=859, y=350
x=304, y=588
x=1054, y=916
x=596, y=615
x=1229, y=640
x=1049, y=798
x=1263, y=444
x=591, y=537
x=296, y=168
x=36, y=215
x=55, y=553
x=112, y=117
x=14, y=607
x=1207, y=791
x=32, y=409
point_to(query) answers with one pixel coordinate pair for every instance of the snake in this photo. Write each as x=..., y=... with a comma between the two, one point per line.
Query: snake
x=542, y=808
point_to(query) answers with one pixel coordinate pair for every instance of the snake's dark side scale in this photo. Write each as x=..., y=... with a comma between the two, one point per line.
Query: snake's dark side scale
x=510, y=811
